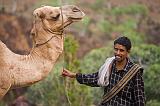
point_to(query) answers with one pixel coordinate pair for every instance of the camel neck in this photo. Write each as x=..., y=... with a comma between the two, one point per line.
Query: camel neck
x=38, y=63
x=49, y=50
x=47, y=44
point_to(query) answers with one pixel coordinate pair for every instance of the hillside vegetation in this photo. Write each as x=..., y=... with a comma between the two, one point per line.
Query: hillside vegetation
x=89, y=43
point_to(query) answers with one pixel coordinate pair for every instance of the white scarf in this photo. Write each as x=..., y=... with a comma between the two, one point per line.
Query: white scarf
x=103, y=72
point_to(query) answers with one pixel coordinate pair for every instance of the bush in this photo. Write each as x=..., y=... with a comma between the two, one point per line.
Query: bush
x=146, y=54
x=152, y=85
x=94, y=59
x=131, y=9
x=104, y=26
x=153, y=103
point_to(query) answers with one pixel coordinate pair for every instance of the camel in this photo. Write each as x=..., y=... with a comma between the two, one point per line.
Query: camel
x=47, y=34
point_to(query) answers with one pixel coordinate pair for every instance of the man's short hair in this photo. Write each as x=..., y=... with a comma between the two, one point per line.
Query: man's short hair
x=124, y=41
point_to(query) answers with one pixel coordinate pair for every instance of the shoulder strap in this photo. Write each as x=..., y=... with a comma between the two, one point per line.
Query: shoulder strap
x=118, y=87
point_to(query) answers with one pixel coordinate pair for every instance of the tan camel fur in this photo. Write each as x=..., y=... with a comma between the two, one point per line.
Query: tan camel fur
x=47, y=34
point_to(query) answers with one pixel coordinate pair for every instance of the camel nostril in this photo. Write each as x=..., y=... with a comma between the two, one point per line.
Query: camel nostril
x=75, y=9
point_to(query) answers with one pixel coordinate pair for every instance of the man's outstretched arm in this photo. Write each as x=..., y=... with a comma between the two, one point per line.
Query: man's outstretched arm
x=87, y=79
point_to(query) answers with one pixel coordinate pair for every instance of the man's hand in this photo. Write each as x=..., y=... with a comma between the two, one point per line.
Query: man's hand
x=68, y=73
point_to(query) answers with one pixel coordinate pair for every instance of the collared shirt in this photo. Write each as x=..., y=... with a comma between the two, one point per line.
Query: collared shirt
x=131, y=95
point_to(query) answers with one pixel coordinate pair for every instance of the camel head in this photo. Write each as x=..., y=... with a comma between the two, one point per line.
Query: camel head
x=56, y=18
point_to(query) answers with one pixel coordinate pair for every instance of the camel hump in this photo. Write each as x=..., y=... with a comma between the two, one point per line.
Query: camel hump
x=5, y=82
x=4, y=52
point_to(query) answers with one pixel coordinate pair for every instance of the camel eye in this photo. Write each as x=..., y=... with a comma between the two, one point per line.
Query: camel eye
x=75, y=9
x=55, y=18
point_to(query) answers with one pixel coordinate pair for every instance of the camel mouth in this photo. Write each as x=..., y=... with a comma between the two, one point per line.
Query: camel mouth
x=75, y=19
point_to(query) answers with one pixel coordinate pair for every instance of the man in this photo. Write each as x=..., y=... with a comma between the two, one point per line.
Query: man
x=130, y=91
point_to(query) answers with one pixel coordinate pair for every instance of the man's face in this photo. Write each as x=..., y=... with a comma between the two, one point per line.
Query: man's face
x=120, y=52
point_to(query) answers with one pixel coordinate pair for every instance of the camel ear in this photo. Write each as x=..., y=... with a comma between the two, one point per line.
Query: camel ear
x=39, y=14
